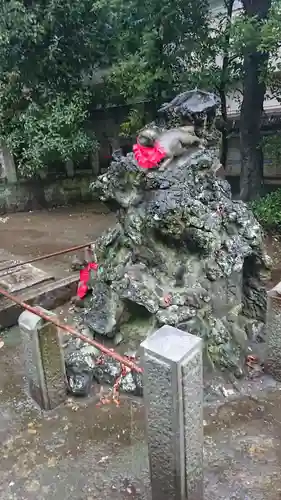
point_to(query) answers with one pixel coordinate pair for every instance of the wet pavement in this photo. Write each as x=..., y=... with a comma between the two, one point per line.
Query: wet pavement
x=242, y=450
x=31, y=234
x=81, y=451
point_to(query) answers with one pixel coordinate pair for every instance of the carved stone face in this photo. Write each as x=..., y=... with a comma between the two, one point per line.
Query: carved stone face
x=146, y=141
x=148, y=136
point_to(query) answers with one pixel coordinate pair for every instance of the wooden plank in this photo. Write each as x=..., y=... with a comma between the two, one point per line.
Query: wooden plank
x=48, y=295
x=22, y=277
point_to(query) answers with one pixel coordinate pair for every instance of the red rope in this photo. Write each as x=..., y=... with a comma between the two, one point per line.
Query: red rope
x=72, y=331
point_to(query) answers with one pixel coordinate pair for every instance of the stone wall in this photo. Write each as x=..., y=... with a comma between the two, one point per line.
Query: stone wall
x=34, y=195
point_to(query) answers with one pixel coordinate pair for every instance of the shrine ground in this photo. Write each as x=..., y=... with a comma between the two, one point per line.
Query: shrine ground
x=84, y=452
x=32, y=234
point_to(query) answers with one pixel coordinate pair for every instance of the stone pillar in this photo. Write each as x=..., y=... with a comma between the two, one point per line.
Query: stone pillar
x=8, y=165
x=69, y=167
x=273, y=333
x=43, y=360
x=95, y=162
x=115, y=143
x=173, y=398
x=116, y=149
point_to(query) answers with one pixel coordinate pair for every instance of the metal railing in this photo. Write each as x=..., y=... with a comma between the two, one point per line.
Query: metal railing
x=48, y=256
x=69, y=329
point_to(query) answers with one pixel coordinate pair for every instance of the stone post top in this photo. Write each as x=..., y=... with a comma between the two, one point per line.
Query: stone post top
x=275, y=292
x=171, y=343
x=31, y=321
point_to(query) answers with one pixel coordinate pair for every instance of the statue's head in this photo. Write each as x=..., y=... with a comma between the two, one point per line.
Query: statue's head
x=148, y=136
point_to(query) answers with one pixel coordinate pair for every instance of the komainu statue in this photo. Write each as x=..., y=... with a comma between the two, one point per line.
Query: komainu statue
x=183, y=252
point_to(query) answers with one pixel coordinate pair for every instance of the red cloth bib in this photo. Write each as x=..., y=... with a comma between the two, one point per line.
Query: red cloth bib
x=148, y=157
x=85, y=274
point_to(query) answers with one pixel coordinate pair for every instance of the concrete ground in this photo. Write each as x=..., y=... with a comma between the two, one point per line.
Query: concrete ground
x=83, y=452
x=31, y=234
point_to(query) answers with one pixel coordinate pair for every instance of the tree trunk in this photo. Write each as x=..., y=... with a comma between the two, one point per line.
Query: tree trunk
x=224, y=80
x=254, y=88
x=224, y=132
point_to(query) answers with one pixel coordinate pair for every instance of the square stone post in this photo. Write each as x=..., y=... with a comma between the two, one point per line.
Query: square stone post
x=43, y=360
x=173, y=398
x=8, y=164
x=95, y=162
x=273, y=333
x=70, y=169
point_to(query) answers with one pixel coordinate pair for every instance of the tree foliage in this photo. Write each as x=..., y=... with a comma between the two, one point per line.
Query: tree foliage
x=50, y=131
x=267, y=210
x=157, y=40
x=47, y=49
x=53, y=54
x=271, y=145
x=244, y=56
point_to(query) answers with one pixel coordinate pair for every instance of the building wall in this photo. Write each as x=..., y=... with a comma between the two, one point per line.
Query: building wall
x=61, y=185
x=36, y=195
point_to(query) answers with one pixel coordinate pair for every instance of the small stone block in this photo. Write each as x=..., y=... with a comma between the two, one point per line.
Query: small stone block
x=43, y=360
x=273, y=335
x=173, y=398
x=276, y=290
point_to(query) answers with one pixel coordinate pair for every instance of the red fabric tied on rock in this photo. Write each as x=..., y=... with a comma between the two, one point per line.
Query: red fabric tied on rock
x=85, y=275
x=148, y=157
